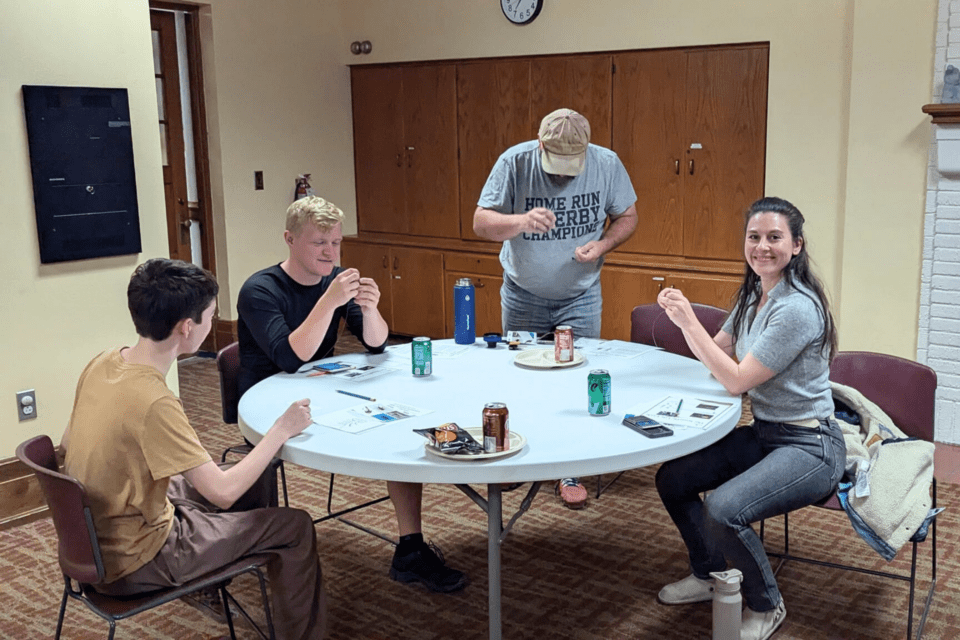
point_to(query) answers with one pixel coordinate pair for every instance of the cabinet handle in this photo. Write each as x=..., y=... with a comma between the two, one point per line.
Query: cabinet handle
x=399, y=160
x=396, y=262
x=386, y=263
x=480, y=284
x=676, y=167
x=409, y=157
x=691, y=166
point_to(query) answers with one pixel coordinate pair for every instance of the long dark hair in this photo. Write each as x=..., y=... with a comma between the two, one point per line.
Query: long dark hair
x=797, y=271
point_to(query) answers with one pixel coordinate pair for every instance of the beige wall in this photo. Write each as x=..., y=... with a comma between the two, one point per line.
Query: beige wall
x=55, y=318
x=846, y=139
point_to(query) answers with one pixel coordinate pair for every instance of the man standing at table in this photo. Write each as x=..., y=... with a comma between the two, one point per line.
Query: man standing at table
x=558, y=204
x=164, y=512
x=289, y=314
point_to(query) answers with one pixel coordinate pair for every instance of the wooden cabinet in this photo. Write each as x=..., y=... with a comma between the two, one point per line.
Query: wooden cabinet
x=405, y=149
x=410, y=285
x=626, y=287
x=486, y=274
x=691, y=131
x=493, y=111
x=372, y=261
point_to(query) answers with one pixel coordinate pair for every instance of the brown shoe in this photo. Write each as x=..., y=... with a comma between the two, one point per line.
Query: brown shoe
x=572, y=493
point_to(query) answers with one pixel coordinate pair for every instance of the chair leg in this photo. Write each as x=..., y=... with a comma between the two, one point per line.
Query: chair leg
x=266, y=604
x=63, y=607
x=226, y=611
x=283, y=482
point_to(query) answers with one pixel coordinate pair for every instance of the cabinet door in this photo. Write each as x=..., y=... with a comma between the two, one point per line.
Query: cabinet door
x=372, y=261
x=649, y=91
x=486, y=291
x=581, y=83
x=379, y=152
x=493, y=108
x=715, y=290
x=430, y=139
x=623, y=289
x=417, y=292
x=725, y=149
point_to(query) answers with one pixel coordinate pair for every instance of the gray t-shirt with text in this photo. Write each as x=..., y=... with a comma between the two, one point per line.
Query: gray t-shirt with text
x=543, y=264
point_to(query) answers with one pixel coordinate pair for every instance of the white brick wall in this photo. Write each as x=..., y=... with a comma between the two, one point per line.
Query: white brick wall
x=938, y=341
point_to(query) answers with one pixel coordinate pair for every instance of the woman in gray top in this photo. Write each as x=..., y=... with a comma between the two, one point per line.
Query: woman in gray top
x=783, y=336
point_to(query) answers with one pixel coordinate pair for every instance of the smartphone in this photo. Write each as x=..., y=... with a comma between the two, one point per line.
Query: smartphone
x=647, y=426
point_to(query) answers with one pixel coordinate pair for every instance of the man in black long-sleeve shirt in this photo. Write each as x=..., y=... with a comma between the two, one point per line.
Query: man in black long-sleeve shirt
x=290, y=313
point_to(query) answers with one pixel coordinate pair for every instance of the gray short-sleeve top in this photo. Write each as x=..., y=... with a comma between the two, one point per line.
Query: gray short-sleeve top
x=785, y=336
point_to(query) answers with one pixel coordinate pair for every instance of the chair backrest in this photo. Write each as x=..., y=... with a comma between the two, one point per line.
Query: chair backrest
x=78, y=549
x=228, y=363
x=904, y=389
x=649, y=324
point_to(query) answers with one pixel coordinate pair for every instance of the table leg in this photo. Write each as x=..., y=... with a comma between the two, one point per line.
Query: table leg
x=494, y=528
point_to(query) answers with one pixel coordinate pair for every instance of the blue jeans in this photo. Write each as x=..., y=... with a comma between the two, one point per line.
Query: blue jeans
x=523, y=311
x=754, y=473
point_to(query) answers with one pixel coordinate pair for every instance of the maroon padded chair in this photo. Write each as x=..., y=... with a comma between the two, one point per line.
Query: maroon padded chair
x=80, y=559
x=906, y=391
x=228, y=364
x=649, y=324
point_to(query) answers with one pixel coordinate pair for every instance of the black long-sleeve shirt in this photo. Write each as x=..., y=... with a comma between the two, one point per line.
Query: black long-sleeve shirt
x=270, y=307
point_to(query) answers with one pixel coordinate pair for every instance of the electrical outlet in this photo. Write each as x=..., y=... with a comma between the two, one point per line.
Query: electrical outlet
x=258, y=180
x=27, y=404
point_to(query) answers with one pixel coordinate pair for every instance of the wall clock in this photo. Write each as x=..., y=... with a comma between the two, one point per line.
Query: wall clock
x=521, y=11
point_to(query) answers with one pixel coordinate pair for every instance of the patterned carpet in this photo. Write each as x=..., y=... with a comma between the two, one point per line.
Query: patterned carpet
x=588, y=575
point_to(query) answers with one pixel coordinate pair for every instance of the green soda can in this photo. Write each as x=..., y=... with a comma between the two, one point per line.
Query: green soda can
x=598, y=392
x=422, y=356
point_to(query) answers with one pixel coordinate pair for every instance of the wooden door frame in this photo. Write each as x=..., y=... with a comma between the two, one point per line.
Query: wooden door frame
x=201, y=150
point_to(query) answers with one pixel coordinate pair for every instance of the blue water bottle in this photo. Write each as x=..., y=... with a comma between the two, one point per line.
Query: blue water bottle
x=464, y=312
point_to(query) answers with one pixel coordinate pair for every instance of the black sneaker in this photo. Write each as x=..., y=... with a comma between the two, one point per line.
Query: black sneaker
x=427, y=565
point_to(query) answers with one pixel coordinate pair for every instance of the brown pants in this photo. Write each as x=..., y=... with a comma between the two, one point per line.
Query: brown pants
x=203, y=539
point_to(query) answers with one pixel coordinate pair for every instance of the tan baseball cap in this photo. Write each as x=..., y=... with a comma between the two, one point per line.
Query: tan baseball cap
x=564, y=136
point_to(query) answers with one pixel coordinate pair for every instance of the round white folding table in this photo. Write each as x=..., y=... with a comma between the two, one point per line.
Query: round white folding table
x=548, y=407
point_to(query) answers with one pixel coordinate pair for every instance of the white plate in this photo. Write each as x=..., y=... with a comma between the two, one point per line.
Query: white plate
x=517, y=442
x=546, y=359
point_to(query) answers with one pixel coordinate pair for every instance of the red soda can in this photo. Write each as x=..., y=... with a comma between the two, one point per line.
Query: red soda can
x=563, y=343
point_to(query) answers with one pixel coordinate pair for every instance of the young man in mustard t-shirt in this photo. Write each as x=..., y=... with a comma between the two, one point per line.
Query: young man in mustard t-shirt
x=160, y=504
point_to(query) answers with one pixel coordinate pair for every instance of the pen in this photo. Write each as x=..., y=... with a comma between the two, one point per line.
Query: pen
x=679, y=404
x=356, y=395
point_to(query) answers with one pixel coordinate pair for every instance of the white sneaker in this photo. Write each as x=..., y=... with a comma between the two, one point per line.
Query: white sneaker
x=761, y=625
x=690, y=589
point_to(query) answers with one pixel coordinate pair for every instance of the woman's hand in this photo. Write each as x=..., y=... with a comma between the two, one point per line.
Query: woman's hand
x=678, y=308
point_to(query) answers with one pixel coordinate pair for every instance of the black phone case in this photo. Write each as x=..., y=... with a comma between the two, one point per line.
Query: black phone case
x=655, y=430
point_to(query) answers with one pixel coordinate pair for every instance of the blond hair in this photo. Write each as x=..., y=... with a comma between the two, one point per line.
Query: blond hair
x=314, y=209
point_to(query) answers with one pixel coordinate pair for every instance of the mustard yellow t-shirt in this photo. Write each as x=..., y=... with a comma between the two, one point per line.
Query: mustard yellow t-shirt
x=128, y=436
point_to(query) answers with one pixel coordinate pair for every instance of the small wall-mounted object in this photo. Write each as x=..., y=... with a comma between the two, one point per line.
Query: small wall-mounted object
x=81, y=160
x=357, y=47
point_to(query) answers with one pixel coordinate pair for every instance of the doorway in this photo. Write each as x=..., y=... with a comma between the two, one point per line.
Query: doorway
x=175, y=32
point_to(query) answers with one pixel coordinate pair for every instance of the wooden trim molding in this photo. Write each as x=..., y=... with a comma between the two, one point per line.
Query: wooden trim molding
x=226, y=332
x=943, y=113
x=21, y=500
